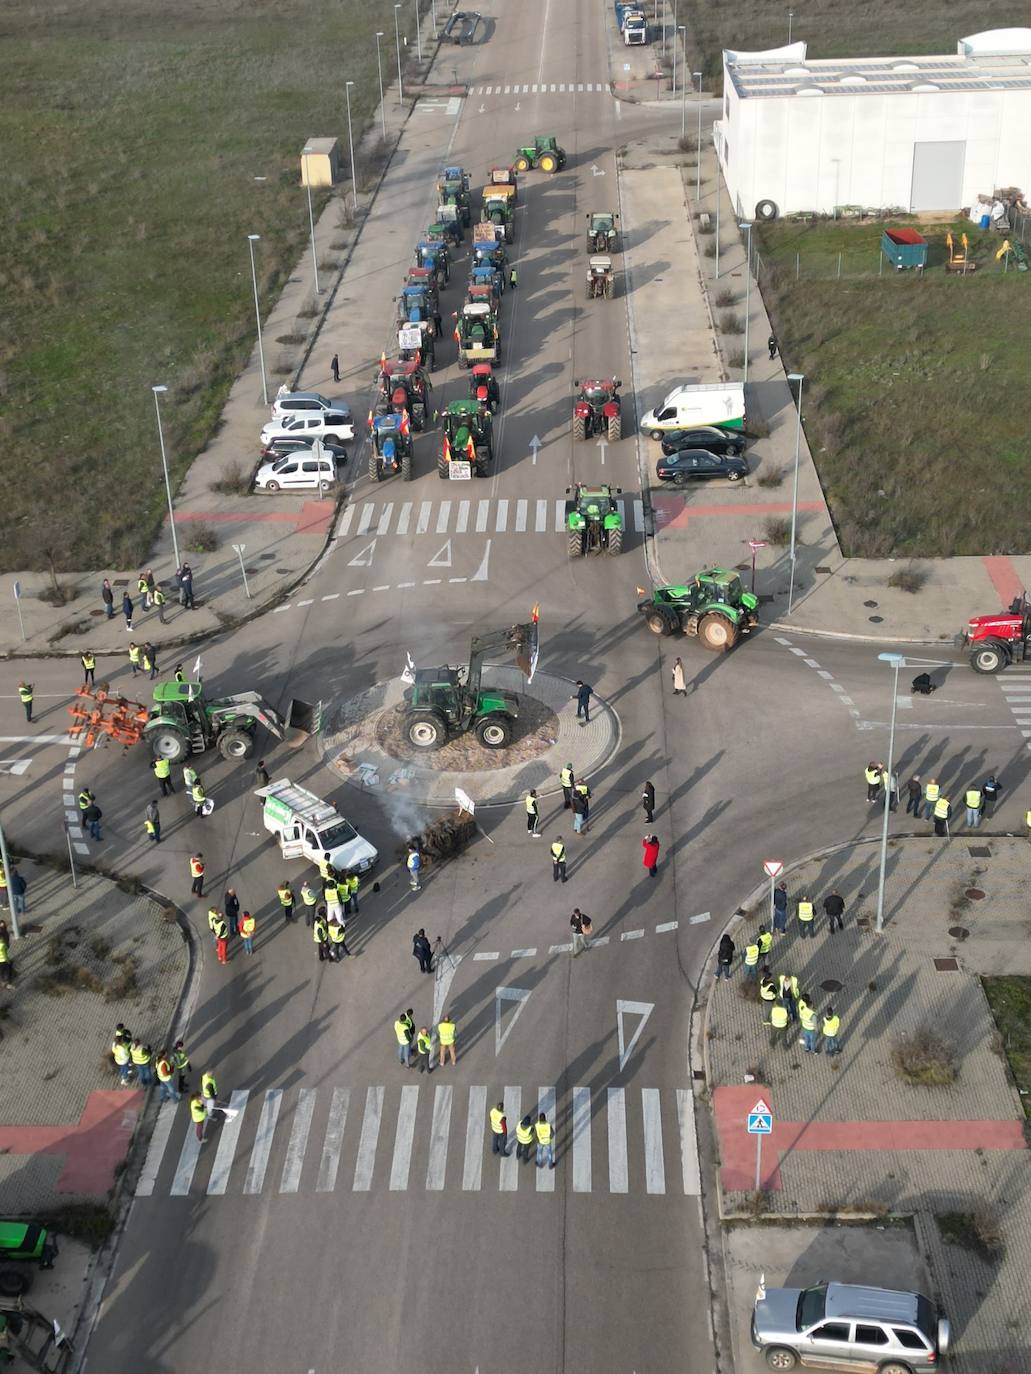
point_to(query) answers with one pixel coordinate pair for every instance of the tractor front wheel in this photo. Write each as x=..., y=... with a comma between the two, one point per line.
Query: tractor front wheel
x=615, y=541
x=236, y=744
x=169, y=743
x=425, y=730
x=615, y=428
x=406, y=467
x=494, y=732
x=548, y=163
x=658, y=623
x=521, y=164
x=989, y=657
x=717, y=632
x=579, y=427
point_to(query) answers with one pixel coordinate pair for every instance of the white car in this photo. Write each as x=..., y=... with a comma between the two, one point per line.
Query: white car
x=335, y=426
x=289, y=402
x=297, y=472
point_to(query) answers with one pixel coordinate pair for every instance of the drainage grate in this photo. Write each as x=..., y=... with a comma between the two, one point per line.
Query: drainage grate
x=974, y=893
x=698, y=1075
x=946, y=965
x=821, y=569
x=979, y=851
x=831, y=985
x=958, y=932
x=266, y=556
x=743, y=567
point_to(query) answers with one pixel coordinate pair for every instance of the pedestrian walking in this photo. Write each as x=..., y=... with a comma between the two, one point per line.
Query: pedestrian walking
x=725, y=957
x=185, y=576
x=524, y=1139
x=198, y=796
x=166, y=1077
x=127, y=610
x=780, y=908
x=285, y=893
x=135, y=657
x=579, y=810
x=160, y=600
x=163, y=775
x=143, y=591
x=261, y=774
x=890, y=783
x=446, y=1033
x=834, y=909
x=120, y=1050
x=914, y=791
x=414, y=865
x=679, y=679
x=829, y=1028
x=150, y=661
x=108, y=598
x=422, y=951
x=991, y=789
x=85, y=797
x=499, y=1130
x=648, y=803
x=513, y=278
x=583, y=696
x=558, y=860
x=931, y=794
x=806, y=918
x=974, y=801
x=18, y=887
x=750, y=958
x=25, y=697
x=91, y=818
x=872, y=775
x=567, y=778
x=209, y=1091
x=181, y=1060
x=424, y=1050
x=942, y=811
x=220, y=930
x=152, y=822
x=650, y=858
x=576, y=925
x=807, y=1018
x=199, y=1116
x=788, y=988
x=533, y=813
x=545, y=1147
x=771, y=343
x=89, y=666
x=404, y=1029
x=779, y=1023
x=334, y=367
x=197, y=875
x=232, y=909
x=247, y=925
x=320, y=934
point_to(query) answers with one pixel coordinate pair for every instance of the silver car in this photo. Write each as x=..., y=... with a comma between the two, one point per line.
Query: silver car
x=846, y=1326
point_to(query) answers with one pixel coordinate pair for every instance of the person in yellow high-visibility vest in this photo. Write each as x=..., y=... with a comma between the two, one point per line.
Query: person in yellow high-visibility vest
x=446, y=1037
x=198, y=1115
x=932, y=791
x=872, y=774
x=545, y=1147
x=779, y=1022
x=942, y=811
x=973, y=800
x=806, y=918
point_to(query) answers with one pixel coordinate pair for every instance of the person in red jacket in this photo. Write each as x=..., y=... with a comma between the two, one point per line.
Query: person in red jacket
x=650, y=845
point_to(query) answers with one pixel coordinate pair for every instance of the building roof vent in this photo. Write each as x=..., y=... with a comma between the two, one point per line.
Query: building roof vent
x=797, y=71
x=925, y=87
x=810, y=90
x=905, y=67
x=852, y=81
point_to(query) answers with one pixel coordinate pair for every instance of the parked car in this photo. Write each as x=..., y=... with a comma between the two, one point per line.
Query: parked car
x=693, y=464
x=279, y=448
x=334, y=426
x=706, y=436
x=289, y=402
x=296, y=472
x=849, y=1327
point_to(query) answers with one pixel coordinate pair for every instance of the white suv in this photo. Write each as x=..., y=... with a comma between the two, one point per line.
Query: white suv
x=335, y=426
x=289, y=402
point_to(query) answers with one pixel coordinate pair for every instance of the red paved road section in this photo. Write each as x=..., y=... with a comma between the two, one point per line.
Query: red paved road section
x=1004, y=579
x=314, y=517
x=93, y=1147
x=672, y=511
x=737, y=1147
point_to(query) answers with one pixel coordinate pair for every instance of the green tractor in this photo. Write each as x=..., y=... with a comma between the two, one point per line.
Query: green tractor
x=183, y=721
x=443, y=703
x=467, y=446
x=543, y=152
x=713, y=606
x=593, y=521
x=602, y=234
x=497, y=210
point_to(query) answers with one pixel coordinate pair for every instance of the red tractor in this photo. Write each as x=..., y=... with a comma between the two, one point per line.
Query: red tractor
x=997, y=640
x=403, y=386
x=483, y=387
x=598, y=409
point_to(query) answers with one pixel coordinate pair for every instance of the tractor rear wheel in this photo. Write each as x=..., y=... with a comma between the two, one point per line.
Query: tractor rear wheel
x=548, y=163
x=494, y=732
x=989, y=657
x=521, y=164
x=14, y=1283
x=579, y=427
x=406, y=467
x=609, y=288
x=717, y=632
x=615, y=429
x=482, y=462
x=658, y=622
x=575, y=543
x=236, y=744
x=418, y=416
x=425, y=730
x=169, y=743
x=615, y=541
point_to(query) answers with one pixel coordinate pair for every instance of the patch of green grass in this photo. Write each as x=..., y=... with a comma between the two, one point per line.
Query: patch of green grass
x=134, y=135
x=914, y=436
x=1010, y=1001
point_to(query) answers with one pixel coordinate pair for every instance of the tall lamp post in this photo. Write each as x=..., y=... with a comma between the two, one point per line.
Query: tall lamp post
x=791, y=15
x=252, y=239
x=897, y=661
x=311, y=230
x=747, y=228
x=418, y=31
x=397, y=45
x=379, y=69
x=160, y=390
x=798, y=377
x=350, y=144
x=675, y=47
x=698, y=138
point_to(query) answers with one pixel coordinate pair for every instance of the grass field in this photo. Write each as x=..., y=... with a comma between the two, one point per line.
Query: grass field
x=1010, y=1001
x=839, y=28
x=133, y=135
x=916, y=389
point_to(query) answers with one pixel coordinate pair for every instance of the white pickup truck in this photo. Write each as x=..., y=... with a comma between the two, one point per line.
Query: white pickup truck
x=305, y=825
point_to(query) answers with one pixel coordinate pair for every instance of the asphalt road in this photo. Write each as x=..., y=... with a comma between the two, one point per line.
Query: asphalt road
x=352, y=1217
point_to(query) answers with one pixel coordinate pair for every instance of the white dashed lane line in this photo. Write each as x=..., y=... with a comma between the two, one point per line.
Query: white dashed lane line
x=822, y=673
x=664, y=928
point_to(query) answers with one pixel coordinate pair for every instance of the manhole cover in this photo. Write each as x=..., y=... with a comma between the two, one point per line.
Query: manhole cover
x=743, y=567
x=120, y=582
x=958, y=932
x=870, y=604
x=979, y=851
x=821, y=569
x=94, y=614
x=876, y=619
x=974, y=893
x=946, y=965
x=254, y=571
x=831, y=985
x=282, y=572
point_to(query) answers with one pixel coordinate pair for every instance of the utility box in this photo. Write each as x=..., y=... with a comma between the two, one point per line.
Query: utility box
x=320, y=162
x=904, y=248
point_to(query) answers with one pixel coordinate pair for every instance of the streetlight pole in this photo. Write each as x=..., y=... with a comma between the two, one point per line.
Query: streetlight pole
x=379, y=69
x=397, y=45
x=350, y=143
x=160, y=391
x=748, y=291
x=252, y=239
x=897, y=661
x=798, y=377
x=418, y=31
x=674, y=47
x=698, y=139
x=311, y=227
x=791, y=15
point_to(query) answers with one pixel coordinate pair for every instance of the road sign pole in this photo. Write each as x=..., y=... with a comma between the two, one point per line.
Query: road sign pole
x=758, y=1160
x=17, y=602
x=71, y=856
x=772, y=888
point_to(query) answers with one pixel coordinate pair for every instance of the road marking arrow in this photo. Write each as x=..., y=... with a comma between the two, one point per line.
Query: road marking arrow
x=603, y=445
x=364, y=558
x=483, y=109
x=518, y=996
x=535, y=444
x=596, y=170
x=442, y=558
x=14, y=767
x=641, y=1009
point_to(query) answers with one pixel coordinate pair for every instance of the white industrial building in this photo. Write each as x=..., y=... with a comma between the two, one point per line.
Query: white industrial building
x=905, y=133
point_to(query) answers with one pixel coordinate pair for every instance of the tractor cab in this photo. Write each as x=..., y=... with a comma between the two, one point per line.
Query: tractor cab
x=504, y=176
x=413, y=305
x=594, y=523
x=477, y=294
x=434, y=255
x=403, y=386
x=490, y=254
x=602, y=234
x=391, y=449
x=477, y=335
x=467, y=445
x=485, y=274
x=601, y=279
x=598, y=409
x=543, y=153
x=446, y=228
x=455, y=177
x=497, y=210
x=483, y=387
x=421, y=350
x=713, y=607
x=426, y=278
x=995, y=641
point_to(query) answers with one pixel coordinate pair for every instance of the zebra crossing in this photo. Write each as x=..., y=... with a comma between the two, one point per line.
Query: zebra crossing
x=423, y=1136
x=1015, y=685
x=500, y=516
x=544, y=88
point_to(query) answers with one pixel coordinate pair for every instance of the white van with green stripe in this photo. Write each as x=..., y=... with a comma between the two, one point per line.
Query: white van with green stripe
x=687, y=407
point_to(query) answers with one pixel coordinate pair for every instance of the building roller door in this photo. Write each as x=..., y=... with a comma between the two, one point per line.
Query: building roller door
x=937, y=176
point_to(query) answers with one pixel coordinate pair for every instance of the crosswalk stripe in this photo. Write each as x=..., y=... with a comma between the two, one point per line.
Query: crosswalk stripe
x=366, y=1161
x=184, y=1170
x=489, y=90
x=384, y=518
x=688, y=1143
x=443, y=516
x=638, y=513
x=553, y=89
x=581, y=1129
x=423, y=522
x=621, y=507
x=546, y=1104
x=542, y=516
x=580, y=87
x=472, y=1171
x=345, y=523
x=482, y=512
x=508, y=1175
x=439, y=1133
x=404, y=517
x=156, y=1150
x=333, y=1141
x=525, y=89
x=520, y=519
x=292, y=1165
x=562, y=87
x=507, y=89
x=365, y=518
x=262, y=1147
x=462, y=523
x=228, y=1139
x=654, y=1166
x=401, y=1164
x=619, y=1177
x=501, y=518
x=560, y=515
x=436, y=517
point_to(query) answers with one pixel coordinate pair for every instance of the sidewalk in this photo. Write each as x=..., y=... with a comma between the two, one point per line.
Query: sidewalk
x=850, y=1137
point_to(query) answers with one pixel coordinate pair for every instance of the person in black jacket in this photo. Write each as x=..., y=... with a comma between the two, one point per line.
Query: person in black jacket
x=834, y=907
x=648, y=802
x=990, y=792
x=914, y=792
x=725, y=957
x=422, y=951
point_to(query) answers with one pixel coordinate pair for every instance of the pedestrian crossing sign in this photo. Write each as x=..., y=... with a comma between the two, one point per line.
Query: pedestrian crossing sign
x=760, y=1119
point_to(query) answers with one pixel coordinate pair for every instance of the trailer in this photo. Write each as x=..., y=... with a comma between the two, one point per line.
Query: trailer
x=461, y=27
x=904, y=248
x=632, y=24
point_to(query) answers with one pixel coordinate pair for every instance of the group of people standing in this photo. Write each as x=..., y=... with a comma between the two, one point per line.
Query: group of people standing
x=928, y=798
